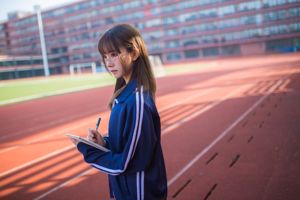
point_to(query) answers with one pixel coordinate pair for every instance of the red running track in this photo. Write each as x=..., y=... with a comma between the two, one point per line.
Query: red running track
x=230, y=130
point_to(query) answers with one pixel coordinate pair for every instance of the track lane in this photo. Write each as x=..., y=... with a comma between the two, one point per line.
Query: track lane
x=163, y=120
x=169, y=119
x=251, y=160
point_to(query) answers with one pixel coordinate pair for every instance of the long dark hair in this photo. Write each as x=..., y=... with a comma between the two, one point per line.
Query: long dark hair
x=128, y=37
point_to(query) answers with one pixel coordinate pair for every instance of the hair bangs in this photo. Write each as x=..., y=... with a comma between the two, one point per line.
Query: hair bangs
x=108, y=43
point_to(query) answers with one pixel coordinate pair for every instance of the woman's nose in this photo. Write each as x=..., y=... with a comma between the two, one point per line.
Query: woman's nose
x=109, y=63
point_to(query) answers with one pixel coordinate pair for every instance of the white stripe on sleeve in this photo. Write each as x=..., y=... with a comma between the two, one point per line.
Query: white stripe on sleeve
x=142, y=185
x=138, y=186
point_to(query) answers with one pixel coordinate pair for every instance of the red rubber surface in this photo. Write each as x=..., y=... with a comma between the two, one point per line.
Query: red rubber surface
x=230, y=131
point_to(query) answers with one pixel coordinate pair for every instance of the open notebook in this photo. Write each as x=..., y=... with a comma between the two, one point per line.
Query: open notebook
x=93, y=144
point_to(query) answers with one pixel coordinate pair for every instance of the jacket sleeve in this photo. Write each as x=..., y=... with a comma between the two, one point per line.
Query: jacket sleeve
x=136, y=129
x=106, y=140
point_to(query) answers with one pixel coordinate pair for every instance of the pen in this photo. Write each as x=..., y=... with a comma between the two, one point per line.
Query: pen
x=98, y=123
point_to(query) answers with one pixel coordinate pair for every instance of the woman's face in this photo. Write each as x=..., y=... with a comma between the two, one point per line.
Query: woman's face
x=119, y=64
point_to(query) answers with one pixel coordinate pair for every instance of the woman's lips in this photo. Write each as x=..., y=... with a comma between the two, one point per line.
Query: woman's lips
x=114, y=71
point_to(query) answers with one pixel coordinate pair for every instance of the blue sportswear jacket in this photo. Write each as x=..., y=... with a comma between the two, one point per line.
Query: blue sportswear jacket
x=135, y=163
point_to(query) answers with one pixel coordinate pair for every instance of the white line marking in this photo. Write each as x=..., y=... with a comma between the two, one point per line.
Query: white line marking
x=81, y=124
x=206, y=108
x=62, y=185
x=283, y=87
x=69, y=147
x=49, y=124
x=187, y=99
x=47, y=136
x=192, y=161
x=164, y=132
x=168, y=130
x=207, y=148
x=37, y=160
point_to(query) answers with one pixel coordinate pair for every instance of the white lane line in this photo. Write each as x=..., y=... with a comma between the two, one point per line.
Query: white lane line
x=205, y=109
x=37, y=160
x=283, y=87
x=8, y=136
x=69, y=147
x=63, y=184
x=166, y=130
x=187, y=99
x=47, y=136
x=171, y=181
x=81, y=124
x=207, y=148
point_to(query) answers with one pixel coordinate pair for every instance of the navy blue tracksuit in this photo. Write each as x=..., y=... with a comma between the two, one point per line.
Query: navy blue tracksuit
x=135, y=164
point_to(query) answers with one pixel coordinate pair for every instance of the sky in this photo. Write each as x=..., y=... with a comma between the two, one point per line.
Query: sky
x=27, y=5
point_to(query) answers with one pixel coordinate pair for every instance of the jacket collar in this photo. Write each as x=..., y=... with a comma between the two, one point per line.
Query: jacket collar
x=129, y=89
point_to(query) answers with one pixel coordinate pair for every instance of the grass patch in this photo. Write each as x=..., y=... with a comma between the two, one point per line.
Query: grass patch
x=26, y=89
x=52, y=85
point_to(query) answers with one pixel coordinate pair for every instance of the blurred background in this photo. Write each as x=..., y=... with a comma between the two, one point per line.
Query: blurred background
x=40, y=38
x=228, y=74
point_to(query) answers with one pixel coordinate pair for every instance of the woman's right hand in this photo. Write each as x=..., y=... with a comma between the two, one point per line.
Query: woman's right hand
x=96, y=137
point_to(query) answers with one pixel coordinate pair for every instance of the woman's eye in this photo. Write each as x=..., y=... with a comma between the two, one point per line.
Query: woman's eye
x=114, y=54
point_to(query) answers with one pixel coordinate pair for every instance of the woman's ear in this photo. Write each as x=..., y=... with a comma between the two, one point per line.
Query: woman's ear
x=135, y=55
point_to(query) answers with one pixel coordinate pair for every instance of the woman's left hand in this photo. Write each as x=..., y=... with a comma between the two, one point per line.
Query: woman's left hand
x=95, y=136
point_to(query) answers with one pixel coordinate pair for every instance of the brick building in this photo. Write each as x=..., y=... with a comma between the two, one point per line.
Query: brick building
x=177, y=31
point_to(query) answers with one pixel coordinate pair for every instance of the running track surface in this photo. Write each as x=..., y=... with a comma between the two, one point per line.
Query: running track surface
x=230, y=130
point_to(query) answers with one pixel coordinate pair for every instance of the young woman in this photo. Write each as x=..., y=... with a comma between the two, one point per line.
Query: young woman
x=135, y=163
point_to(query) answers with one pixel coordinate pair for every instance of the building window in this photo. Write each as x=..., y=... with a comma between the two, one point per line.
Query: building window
x=251, y=19
x=228, y=23
x=211, y=13
x=109, y=20
x=294, y=27
x=155, y=46
x=252, y=5
x=188, y=29
x=171, y=32
x=153, y=22
x=209, y=39
x=283, y=45
x=208, y=52
x=170, y=20
x=191, y=54
x=190, y=42
x=172, y=44
x=271, y=3
x=189, y=17
x=173, y=56
x=209, y=26
x=275, y=30
x=231, y=50
x=226, y=10
x=59, y=50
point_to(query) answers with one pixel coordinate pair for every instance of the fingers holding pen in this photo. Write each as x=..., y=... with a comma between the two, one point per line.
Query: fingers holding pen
x=95, y=136
x=92, y=135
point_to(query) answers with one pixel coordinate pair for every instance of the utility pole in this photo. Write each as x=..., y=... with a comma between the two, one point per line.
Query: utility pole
x=42, y=39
